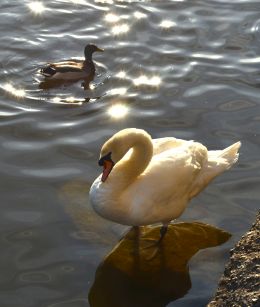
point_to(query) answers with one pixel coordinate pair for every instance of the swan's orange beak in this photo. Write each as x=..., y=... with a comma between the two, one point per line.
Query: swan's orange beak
x=107, y=168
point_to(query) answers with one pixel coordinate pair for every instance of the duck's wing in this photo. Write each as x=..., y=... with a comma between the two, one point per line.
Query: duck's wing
x=68, y=68
x=162, y=144
x=68, y=62
x=64, y=67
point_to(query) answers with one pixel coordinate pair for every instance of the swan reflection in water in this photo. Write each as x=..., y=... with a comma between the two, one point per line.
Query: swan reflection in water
x=126, y=278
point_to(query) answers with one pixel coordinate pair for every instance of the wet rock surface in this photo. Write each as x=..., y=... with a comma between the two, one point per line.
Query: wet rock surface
x=240, y=283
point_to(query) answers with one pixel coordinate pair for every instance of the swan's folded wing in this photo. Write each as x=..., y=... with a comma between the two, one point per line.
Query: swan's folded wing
x=162, y=144
x=166, y=181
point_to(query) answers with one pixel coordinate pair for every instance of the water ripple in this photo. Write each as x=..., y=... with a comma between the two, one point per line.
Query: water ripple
x=174, y=68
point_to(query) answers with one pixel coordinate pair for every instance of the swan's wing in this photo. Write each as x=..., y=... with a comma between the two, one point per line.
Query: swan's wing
x=162, y=144
x=162, y=191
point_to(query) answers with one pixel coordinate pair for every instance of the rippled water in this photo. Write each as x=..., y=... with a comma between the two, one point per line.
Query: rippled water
x=180, y=68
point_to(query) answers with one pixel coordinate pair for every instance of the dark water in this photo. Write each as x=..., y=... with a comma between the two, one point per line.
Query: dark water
x=194, y=77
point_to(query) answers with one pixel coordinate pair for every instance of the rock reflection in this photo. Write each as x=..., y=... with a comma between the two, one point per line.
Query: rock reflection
x=127, y=278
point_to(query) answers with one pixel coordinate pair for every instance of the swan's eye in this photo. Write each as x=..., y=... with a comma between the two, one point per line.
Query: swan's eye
x=106, y=157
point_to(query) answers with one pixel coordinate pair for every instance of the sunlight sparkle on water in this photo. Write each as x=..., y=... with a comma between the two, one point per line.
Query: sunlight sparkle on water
x=110, y=17
x=120, y=29
x=118, y=91
x=166, y=24
x=118, y=111
x=15, y=92
x=78, y=1
x=36, y=7
x=56, y=99
x=121, y=74
x=70, y=99
x=104, y=1
x=144, y=80
x=139, y=15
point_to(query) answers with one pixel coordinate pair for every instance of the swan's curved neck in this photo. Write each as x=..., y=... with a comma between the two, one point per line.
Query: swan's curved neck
x=128, y=169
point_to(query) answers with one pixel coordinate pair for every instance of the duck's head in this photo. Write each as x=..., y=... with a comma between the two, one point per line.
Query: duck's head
x=90, y=49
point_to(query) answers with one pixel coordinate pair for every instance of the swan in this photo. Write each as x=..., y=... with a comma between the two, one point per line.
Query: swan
x=146, y=181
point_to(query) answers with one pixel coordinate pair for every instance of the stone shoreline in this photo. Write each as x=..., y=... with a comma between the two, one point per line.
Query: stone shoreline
x=240, y=283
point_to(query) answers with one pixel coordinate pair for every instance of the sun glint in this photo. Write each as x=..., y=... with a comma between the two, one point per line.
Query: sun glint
x=166, y=24
x=36, y=7
x=144, y=80
x=110, y=17
x=78, y=1
x=139, y=15
x=8, y=87
x=120, y=29
x=118, y=111
x=118, y=91
x=71, y=99
x=56, y=99
x=121, y=74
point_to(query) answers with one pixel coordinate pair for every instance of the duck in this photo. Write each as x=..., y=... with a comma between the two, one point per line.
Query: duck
x=147, y=181
x=73, y=70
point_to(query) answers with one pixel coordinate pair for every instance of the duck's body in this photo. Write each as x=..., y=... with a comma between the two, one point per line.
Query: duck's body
x=155, y=180
x=73, y=70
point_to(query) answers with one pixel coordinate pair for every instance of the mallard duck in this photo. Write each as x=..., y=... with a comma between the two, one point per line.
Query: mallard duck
x=73, y=70
x=146, y=181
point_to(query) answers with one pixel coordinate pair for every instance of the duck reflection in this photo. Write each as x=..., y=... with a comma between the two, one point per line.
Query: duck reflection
x=47, y=84
x=126, y=278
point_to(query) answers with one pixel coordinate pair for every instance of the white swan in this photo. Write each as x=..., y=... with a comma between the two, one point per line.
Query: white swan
x=146, y=180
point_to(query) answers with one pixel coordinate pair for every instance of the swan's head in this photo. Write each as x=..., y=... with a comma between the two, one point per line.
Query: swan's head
x=115, y=148
x=111, y=152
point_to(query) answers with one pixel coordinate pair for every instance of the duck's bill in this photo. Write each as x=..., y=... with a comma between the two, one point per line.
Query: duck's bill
x=100, y=49
x=108, y=165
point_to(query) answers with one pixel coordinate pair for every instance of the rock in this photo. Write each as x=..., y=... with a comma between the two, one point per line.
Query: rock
x=240, y=283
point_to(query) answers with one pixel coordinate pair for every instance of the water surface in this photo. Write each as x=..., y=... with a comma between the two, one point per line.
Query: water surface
x=176, y=68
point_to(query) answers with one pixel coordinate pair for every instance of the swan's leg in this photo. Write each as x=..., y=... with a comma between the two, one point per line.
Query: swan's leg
x=163, y=231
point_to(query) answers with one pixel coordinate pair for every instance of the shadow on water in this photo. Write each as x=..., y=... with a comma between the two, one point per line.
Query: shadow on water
x=126, y=278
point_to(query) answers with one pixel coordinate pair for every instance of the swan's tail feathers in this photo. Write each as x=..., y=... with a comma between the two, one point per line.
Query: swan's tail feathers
x=229, y=155
x=218, y=162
